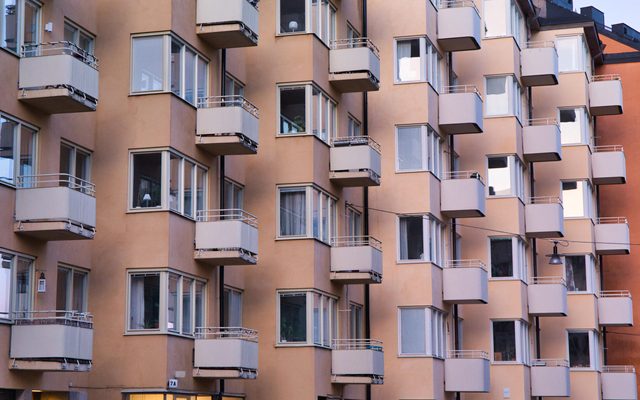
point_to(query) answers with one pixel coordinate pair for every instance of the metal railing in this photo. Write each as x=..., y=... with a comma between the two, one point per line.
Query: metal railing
x=468, y=354
x=620, y=369
x=461, y=89
x=549, y=363
x=611, y=220
x=356, y=241
x=228, y=101
x=230, y=214
x=540, y=44
x=545, y=200
x=59, y=48
x=609, y=148
x=542, y=121
x=355, y=43
x=614, y=293
x=463, y=175
x=56, y=180
x=465, y=264
x=458, y=4
x=357, y=344
x=356, y=141
x=548, y=280
x=233, y=332
x=53, y=317
x=608, y=77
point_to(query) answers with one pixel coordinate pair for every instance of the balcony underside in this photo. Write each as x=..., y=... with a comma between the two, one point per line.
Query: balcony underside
x=598, y=111
x=356, y=277
x=222, y=373
x=540, y=80
x=542, y=157
x=49, y=365
x=610, y=180
x=460, y=129
x=354, y=178
x=57, y=100
x=54, y=230
x=463, y=43
x=224, y=36
x=545, y=234
x=354, y=82
x=232, y=144
x=472, y=213
x=225, y=257
x=358, y=379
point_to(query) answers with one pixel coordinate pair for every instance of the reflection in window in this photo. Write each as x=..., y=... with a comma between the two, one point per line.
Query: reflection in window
x=583, y=349
x=147, y=180
x=419, y=149
x=17, y=150
x=148, y=71
x=576, y=199
x=573, y=55
x=504, y=341
x=504, y=96
x=144, y=301
x=293, y=317
x=579, y=272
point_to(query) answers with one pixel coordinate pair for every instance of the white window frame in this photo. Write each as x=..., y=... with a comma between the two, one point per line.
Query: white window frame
x=74, y=152
x=585, y=126
x=332, y=308
x=240, y=293
x=327, y=31
x=328, y=103
x=594, y=350
x=76, y=35
x=70, y=283
x=354, y=127
x=590, y=273
x=17, y=139
x=514, y=22
x=12, y=285
x=332, y=220
x=518, y=258
x=431, y=227
x=585, y=62
x=432, y=151
x=238, y=86
x=587, y=199
x=514, y=97
x=356, y=321
x=435, y=329
x=236, y=188
x=429, y=58
x=20, y=10
x=523, y=342
x=517, y=174
x=352, y=222
x=164, y=301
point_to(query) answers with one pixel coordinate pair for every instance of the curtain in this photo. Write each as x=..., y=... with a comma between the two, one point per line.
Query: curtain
x=404, y=242
x=136, y=306
x=408, y=61
x=412, y=331
x=5, y=284
x=497, y=95
x=293, y=211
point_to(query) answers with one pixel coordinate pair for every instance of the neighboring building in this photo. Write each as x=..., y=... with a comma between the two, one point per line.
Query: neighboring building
x=309, y=199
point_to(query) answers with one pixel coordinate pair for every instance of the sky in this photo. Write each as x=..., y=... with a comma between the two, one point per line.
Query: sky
x=615, y=11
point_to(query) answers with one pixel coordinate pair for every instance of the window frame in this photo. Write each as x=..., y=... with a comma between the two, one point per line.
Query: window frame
x=4, y=253
x=594, y=350
x=429, y=56
x=435, y=329
x=352, y=222
x=356, y=321
x=332, y=221
x=69, y=296
x=585, y=55
x=17, y=145
x=516, y=177
x=585, y=131
x=329, y=25
x=590, y=274
x=519, y=259
x=522, y=342
x=514, y=23
x=78, y=30
x=431, y=148
x=240, y=293
x=332, y=330
x=20, y=25
x=514, y=97
x=236, y=188
x=354, y=126
x=236, y=84
x=73, y=158
x=588, y=203
x=430, y=226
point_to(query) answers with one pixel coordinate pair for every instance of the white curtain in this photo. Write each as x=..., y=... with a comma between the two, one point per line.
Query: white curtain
x=497, y=96
x=404, y=242
x=408, y=66
x=293, y=213
x=136, y=310
x=5, y=284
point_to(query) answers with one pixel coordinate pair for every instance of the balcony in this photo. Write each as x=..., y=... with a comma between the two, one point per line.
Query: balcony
x=547, y=296
x=357, y=361
x=356, y=260
x=462, y=195
x=354, y=65
x=227, y=125
x=52, y=341
x=550, y=378
x=226, y=237
x=355, y=161
x=458, y=26
x=58, y=77
x=225, y=353
x=612, y=236
x=619, y=382
x=541, y=140
x=539, y=64
x=460, y=109
x=228, y=23
x=605, y=95
x=466, y=371
x=608, y=165
x=615, y=308
x=55, y=207
x=544, y=217
x=465, y=282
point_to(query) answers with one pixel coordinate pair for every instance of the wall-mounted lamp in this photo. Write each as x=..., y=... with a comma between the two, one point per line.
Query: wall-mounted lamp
x=42, y=283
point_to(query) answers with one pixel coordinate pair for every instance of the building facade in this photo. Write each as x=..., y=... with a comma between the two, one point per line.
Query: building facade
x=382, y=201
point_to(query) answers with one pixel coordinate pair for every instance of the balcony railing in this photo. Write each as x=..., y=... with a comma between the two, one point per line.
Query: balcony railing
x=226, y=333
x=550, y=378
x=357, y=344
x=459, y=25
x=225, y=353
x=462, y=194
x=355, y=43
x=466, y=371
x=354, y=65
x=460, y=109
x=59, y=48
x=226, y=237
x=612, y=236
x=547, y=296
x=56, y=180
x=355, y=161
x=605, y=95
x=357, y=361
x=544, y=217
x=608, y=165
x=615, y=308
x=227, y=125
x=228, y=101
x=465, y=282
x=539, y=64
x=619, y=382
x=356, y=259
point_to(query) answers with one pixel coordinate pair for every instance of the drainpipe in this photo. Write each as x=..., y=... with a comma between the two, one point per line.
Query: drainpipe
x=600, y=258
x=222, y=311
x=365, y=199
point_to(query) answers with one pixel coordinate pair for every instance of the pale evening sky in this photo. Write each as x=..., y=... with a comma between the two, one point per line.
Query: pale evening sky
x=615, y=11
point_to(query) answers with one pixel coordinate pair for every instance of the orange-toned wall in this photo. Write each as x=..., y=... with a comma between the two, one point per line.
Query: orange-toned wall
x=612, y=46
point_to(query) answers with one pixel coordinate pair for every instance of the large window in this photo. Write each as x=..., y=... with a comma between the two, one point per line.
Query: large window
x=306, y=106
x=308, y=16
x=232, y=86
x=573, y=55
x=78, y=36
x=16, y=281
x=421, y=238
x=418, y=60
x=356, y=321
x=503, y=97
x=233, y=306
x=307, y=317
x=508, y=256
x=574, y=126
x=353, y=222
x=354, y=127
x=75, y=162
x=164, y=63
x=233, y=195
x=511, y=342
x=506, y=177
x=306, y=212
x=19, y=24
x=17, y=149
x=580, y=273
x=583, y=349
x=422, y=332
x=183, y=298
x=577, y=199
x=167, y=180
x=72, y=289
x=418, y=148
x=504, y=18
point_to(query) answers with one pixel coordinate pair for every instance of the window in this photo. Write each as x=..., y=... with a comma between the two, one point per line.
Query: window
x=356, y=321
x=164, y=63
x=353, y=222
x=167, y=180
x=577, y=199
x=511, y=341
x=72, y=289
x=307, y=317
x=17, y=150
x=580, y=272
x=422, y=332
x=583, y=349
x=183, y=297
x=306, y=212
x=352, y=34
x=573, y=55
x=417, y=60
x=574, y=126
x=81, y=38
x=421, y=238
x=304, y=106
x=233, y=307
x=233, y=195
x=16, y=281
x=75, y=162
x=508, y=257
x=232, y=86
x=418, y=148
x=308, y=16
x=506, y=177
x=434, y=67
x=19, y=24
x=353, y=127
x=504, y=18
x=504, y=97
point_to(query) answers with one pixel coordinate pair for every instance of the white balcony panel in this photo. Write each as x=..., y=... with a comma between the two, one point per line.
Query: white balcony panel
x=619, y=383
x=460, y=112
x=544, y=218
x=357, y=263
x=608, y=165
x=612, y=236
x=226, y=242
x=227, y=130
x=465, y=282
x=550, y=378
x=605, y=95
x=355, y=165
x=547, y=297
x=463, y=196
x=459, y=27
x=467, y=374
x=539, y=65
x=615, y=308
x=354, y=69
x=227, y=23
x=541, y=142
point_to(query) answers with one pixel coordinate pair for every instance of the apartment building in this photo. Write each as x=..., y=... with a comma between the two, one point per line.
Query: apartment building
x=360, y=195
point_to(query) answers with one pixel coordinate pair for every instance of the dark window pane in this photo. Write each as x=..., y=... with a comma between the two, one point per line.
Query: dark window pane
x=411, y=238
x=504, y=341
x=292, y=16
x=501, y=258
x=293, y=317
x=147, y=180
x=292, y=110
x=144, y=302
x=579, y=350
x=576, y=272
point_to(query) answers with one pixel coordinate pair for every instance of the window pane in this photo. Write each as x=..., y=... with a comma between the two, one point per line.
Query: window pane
x=147, y=64
x=501, y=258
x=569, y=53
x=86, y=43
x=495, y=18
x=576, y=272
x=497, y=98
x=5, y=284
x=410, y=149
x=79, y=291
x=174, y=182
x=504, y=341
x=325, y=218
x=412, y=331
x=189, y=76
x=70, y=33
x=202, y=188
x=30, y=23
x=188, y=188
x=293, y=317
x=202, y=78
x=172, y=303
x=147, y=180
x=292, y=16
x=411, y=238
x=62, y=289
x=574, y=199
x=500, y=176
x=144, y=302
x=176, y=68
x=66, y=155
x=7, y=163
x=187, y=302
x=325, y=322
x=23, y=289
x=579, y=350
x=293, y=211
x=200, y=299
x=572, y=125
x=292, y=110
x=409, y=62
x=9, y=25
x=316, y=318
x=233, y=300
x=82, y=165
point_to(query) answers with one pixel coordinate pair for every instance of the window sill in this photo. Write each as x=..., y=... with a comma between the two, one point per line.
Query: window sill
x=7, y=185
x=576, y=145
x=507, y=279
x=420, y=356
x=508, y=363
x=16, y=55
x=282, y=239
x=150, y=93
x=569, y=293
x=299, y=345
x=289, y=135
x=302, y=33
x=418, y=171
x=396, y=82
x=582, y=369
x=153, y=210
x=157, y=332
